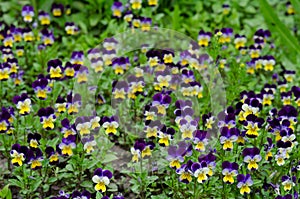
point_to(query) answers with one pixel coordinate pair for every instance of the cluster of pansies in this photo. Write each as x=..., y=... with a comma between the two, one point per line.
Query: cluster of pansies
x=251, y=145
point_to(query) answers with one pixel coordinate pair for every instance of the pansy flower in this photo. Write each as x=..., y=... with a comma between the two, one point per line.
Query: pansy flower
x=52, y=155
x=289, y=112
x=200, y=171
x=82, y=74
x=67, y=145
x=141, y=149
x=239, y=41
x=185, y=57
x=254, y=51
x=204, y=38
x=23, y=103
x=8, y=40
x=260, y=37
x=252, y=157
x=108, y=57
x=120, y=65
x=110, y=44
x=136, y=4
x=110, y=124
x=44, y=18
x=184, y=111
x=146, y=24
x=128, y=16
x=225, y=36
x=28, y=35
x=17, y=78
x=62, y=195
x=153, y=57
x=18, y=154
x=200, y=140
x=230, y=170
x=14, y=67
x=33, y=140
x=226, y=120
x=19, y=51
x=47, y=37
x=71, y=28
x=27, y=13
x=185, y=172
x=136, y=86
x=83, y=125
x=280, y=158
x=120, y=88
x=210, y=160
x=152, y=128
x=289, y=75
x=4, y=71
x=251, y=106
x=282, y=85
x=187, y=128
x=152, y=2
x=77, y=57
x=95, y=122
x=288, y=196
x=267, y=148
x=286, y=98
x=161, y=101
x=288, y=182
x=97, y=64
x=88, y=144
x=34, y=158
x=57, y=9
x=93, y=53
x=244, y=183
x=267, y=97
x=55, y=69
x=69, y=70
x=100, y=99
x=269, y=62
x=176, y=154
x=287, y=135
x=199, y=62
x=4, y=120
x=102, y=179
x=67, y=128
x=17, y=34
x=226, y=9
x=162, y=80
x=165, y=135
x=296, y=93
x=208, y=120
x=289, y=8
x=228, y=137
x=47, y=117
x=73, y=103
x=60, y=104
x=41, y=88
x=81, y=195
x=252, y=125
x=117, y=9
x=167, y=56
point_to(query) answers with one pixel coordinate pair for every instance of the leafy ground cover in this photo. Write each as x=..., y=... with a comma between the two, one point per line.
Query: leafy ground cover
x=149, y=99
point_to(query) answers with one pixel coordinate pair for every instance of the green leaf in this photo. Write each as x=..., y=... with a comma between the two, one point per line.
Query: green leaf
x=16, y=183
x=94, y=19
x=36, y=185
x=109, y=158
x=4, y=191
x=99, y=195
x=86, y=184
x=275, y=25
